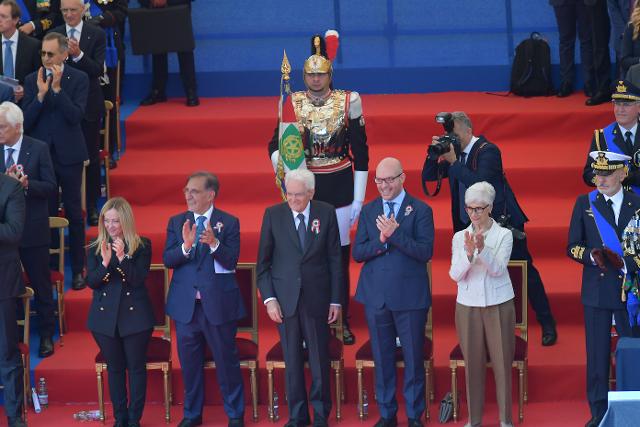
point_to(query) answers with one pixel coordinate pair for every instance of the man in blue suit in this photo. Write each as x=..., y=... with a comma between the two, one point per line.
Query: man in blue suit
x=28, y=160
x=54, y=102
x=480, y=160
x=395, y=242
x=202, y=248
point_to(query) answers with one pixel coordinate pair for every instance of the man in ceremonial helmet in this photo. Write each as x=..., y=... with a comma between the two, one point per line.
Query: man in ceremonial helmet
x=334, y=142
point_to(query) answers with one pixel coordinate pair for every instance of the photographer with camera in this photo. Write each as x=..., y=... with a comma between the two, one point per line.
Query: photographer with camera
x=466, y=159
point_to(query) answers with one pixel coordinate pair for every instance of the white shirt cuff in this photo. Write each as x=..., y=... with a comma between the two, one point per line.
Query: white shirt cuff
x=269, y=299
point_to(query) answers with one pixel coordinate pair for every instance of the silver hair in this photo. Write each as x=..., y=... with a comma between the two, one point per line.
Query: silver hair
x=461, y=117
x=304, y=176
x=12, y=113
x=480, y=192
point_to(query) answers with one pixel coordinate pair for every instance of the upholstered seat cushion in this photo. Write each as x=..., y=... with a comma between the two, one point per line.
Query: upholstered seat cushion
x=335, y=351
x=56, y=276
x=159, y=350
x=365, y=353
x=247, y=350
x=520, y=353
x=23, y=348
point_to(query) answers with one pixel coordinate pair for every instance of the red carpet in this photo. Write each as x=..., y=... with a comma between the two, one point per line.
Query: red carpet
x=543, y=141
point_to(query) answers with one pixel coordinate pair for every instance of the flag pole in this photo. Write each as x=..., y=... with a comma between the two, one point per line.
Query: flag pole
x=285, y=90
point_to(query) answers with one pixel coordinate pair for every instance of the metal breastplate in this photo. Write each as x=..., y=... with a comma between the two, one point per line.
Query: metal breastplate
x=322, y=122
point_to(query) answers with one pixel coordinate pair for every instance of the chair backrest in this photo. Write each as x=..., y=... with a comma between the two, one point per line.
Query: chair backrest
x=518, y=275
x=25, y=321
x=59, y=224
x=157, y=284
x=247, y=282
x=428, y=327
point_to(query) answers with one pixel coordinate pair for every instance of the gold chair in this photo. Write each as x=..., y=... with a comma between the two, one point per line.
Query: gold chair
x=247, y=348
x=57, y=275
x=518, y=274
x=105, y=154
x=159, y=349
x=275, y=360
x=364, y=359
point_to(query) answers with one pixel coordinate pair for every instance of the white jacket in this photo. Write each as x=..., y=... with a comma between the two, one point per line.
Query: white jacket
x=485, y=280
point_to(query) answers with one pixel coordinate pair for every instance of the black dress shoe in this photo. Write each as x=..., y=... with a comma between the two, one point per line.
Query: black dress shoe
x=415, y=422
x=93, y=217
x=16, y=422
x=192, y=98
x=190, y=422
x=598, y=98
x=566, y=89
x=386, y=422
x=77, y=283
x=153, y=98
x=347, y=336
x=549, y=333
x=120, y=423
x=594, y=422
x=133, y=424
x=320, y=422
x=46, y=347
x=236, y=422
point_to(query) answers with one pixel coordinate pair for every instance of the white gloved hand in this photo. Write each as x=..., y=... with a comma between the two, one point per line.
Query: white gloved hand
x=356, y=207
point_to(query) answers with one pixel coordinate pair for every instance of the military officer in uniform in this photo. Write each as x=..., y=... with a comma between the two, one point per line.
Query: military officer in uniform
x=38, y=17
x=621, y=136
x=597, y=225
x=335, y=149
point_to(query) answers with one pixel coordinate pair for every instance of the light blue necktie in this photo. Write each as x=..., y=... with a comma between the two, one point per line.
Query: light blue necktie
x=199, y=229
x=72, y=33
x=8, y=59
x=10, y=162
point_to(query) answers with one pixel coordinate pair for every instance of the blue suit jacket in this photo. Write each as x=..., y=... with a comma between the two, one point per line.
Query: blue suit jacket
x=221, y=298
x=57, y=119
x=36, y=161
x=395, y=274
x=600, y=288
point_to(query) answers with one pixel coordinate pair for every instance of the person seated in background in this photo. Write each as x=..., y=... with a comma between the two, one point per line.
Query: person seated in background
x=54, y=102
x=485, y=312
x=87, y=46
x=28, y=160
x=121, y=316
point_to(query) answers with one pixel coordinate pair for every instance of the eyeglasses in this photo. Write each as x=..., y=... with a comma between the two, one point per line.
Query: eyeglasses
x=386, y=180
x=70, y=10
x=477, y=210
x=620, y=103
x=47, y=54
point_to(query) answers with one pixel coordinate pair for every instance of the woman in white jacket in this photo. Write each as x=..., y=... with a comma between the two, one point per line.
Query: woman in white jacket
x=485, y=312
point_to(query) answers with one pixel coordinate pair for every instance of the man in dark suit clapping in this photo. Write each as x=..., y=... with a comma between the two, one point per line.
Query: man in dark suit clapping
x=395, y=241
x=54, y=103
x=28, y=160
x=202, y=248
x=299, y=272
x=11, y=224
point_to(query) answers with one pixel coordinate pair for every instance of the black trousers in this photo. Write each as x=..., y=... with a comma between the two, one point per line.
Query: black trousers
x=160, y=66
x=346, y=283
x=315, y=332
x=600, y=29
x=535, y=289
x=69, y=178
x=567, y=16
x=91, y=131
x=35, y=261
x=11, y=369
x=126, y=354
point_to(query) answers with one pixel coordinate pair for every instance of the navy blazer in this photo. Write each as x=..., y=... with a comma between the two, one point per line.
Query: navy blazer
x=12, y=207
x=57, y=119
x=483, y=164
x=395, y=274
x=35, y=159
x=285, y=269
x=27, y=57
x=221, y=298
x=93, y=44
x=600, y=289
x=120, y=298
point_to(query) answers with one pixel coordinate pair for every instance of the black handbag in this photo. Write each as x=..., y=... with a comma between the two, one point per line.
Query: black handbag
x=446, y=408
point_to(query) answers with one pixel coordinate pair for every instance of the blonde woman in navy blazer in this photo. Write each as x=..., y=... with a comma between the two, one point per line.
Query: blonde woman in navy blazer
x=121, y=317
x=485, y=311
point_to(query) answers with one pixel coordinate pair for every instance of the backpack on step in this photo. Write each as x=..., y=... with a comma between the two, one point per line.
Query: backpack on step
x=531, y=70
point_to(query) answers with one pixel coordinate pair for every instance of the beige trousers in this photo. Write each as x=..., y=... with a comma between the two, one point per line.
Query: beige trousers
x=482, y=329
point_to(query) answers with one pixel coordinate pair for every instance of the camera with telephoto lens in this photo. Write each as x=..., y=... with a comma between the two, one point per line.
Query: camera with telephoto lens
x=504, y=221
x=445, y=141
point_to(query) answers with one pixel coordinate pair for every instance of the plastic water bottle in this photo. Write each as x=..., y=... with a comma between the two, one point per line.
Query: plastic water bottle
x=365, y=403
x=43, y=394
x=276, y=407
x=93, y=415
